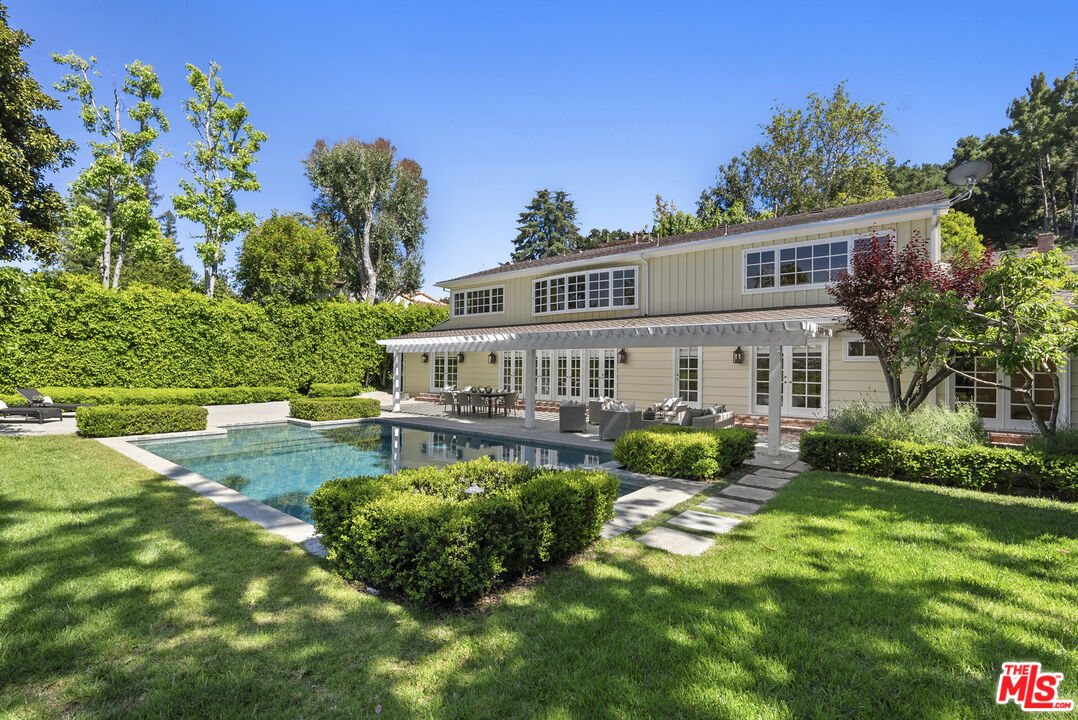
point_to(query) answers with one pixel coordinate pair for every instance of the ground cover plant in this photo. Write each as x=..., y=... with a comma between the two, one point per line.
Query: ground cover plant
x=685, y=452
x=928, y=424
x=117, y=420
x=449, y=535
x=333, y=408
x=845, y=596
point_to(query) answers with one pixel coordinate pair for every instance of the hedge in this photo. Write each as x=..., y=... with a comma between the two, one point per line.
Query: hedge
x=685, y=452
x=992, y=469
x=67, y=331
x=114, y=420
x=337, y=389
x=418, y=534
x=334, y=408
x=166, y=396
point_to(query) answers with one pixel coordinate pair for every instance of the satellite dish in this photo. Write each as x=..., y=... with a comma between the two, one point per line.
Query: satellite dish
x=969, y=173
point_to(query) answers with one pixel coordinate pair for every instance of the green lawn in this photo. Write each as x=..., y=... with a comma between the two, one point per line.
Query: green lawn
x=123, y=594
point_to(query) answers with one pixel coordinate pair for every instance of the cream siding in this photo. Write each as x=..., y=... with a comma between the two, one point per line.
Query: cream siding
x=475, y=370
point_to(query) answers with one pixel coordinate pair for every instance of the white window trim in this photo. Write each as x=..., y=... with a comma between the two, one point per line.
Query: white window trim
x=699, y=375
x=787, y=406
x=430, y=361
x=746, y=290
x=465, y=291
x=584, y=272
x=1002, y=421
x=846, y=357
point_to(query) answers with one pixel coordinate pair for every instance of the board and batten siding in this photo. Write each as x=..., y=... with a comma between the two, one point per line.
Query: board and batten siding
x=475, y=370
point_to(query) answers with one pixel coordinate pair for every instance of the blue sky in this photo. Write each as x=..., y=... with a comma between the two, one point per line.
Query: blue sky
x=613, y=102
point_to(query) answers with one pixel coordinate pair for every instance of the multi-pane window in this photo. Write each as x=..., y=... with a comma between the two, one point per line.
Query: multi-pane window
x=480, y=301
x=592, y=290
x=971, y=385
x=760, y=269
x=812, y=264
x=595, y=375
x=1043, y=397
x=543, y=386
x=806, y=377
x=608, y=373
x=574, y=374
x=857, y=349
x=562, y=375
x=444, y=372
x=688, y=374
x=513, y=371
x=762, y=370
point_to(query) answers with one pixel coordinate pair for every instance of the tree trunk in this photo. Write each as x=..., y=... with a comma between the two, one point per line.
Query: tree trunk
x=210, y=278
x=1074, y=201
x=106, y=252
x=370, y=285
x=119, y=261
x=1044, y=191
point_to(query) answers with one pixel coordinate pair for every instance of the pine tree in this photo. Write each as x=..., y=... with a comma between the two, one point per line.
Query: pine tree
x=547, y=227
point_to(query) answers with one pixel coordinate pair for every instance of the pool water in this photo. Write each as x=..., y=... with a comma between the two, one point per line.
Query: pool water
x=280, y=465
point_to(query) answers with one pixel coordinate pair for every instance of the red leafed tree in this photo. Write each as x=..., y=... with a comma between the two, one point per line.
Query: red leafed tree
x=882, y=295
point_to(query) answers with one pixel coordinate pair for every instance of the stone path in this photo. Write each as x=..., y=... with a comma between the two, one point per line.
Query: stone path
x=736, y=501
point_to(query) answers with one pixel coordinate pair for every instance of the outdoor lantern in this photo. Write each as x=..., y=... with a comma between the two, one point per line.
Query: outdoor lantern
x=424, y=357
x=622, y=356
x=460, y=358
x=739, y=355
x=493, y=357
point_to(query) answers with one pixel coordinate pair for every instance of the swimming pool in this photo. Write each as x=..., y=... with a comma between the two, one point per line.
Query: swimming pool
x=280, y=465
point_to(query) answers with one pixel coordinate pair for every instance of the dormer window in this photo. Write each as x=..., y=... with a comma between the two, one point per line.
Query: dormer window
x=609, y=288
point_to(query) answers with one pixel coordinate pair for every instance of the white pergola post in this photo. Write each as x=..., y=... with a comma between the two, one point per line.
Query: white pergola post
x=774, y=401
x=397, y=372
x=529, y=389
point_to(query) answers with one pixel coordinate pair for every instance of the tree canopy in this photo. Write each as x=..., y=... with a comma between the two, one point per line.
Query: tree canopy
x=287, y=258
x=547, y=227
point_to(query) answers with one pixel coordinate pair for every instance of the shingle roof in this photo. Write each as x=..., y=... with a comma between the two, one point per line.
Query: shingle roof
x=825, y=313
x=905, y=202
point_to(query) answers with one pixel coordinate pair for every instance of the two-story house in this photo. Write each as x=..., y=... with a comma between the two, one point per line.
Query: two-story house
x=735, y=315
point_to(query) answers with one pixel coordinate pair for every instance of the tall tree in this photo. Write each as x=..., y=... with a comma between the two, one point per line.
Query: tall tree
x=120, y=220
x=814, y=157
x=959, y=236
x=287, y=258
x=547, y=227
x=908, y=179
x=376, y=208
x=735, y=183
x=31, y=210
x=220, y=164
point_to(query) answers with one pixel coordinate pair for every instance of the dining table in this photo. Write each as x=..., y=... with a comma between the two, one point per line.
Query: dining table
x=490, y=397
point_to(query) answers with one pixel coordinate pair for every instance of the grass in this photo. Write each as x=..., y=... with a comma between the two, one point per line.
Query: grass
x=125, y=595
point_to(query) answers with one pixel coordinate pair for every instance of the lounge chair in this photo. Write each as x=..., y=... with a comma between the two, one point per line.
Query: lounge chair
x=37, y=399
x=41, y=412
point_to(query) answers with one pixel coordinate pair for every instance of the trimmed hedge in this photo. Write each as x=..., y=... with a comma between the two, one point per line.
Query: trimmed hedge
x=114, y=420
x=334, y=408
x=67, y=331
x=992, y=469
x=166, y=396
x=685, y=452
x=337, y=389
x=419, y=535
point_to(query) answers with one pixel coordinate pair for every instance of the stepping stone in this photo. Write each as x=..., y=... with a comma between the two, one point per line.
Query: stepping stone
x=758, y=480
x=705, y=521
x=747, y=493
x=772, y=473
x=675, y=541
x=799, y=467
x=729, y=505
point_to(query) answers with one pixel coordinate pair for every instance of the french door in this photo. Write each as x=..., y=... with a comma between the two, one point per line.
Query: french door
x=1002, y=409
x=563, y=374
x=443, y=370
x=804, y=380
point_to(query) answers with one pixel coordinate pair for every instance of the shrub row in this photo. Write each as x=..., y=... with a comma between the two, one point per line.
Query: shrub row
x=337, y=389
x=685, y=452
x=115, y=420
x=166, y=396
x=419, y=535
x=991, y=469
x=66, y=330
x=334, y=408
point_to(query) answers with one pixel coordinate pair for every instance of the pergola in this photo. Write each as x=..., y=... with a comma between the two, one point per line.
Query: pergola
x=705, y=330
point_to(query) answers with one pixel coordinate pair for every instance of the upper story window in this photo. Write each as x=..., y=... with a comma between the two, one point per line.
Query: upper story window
x=479, y=301
x=584, y=291
x=797, y=266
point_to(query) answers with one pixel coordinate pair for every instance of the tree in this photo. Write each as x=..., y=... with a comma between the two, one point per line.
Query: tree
x=814, y=157
x=1020, y=321
x=287, y=258
x=669, y=221
x=735, y=183
x=602, y=236
x=547, y=227
x=883, y=298
x=31, y=210
x=112, y=215
x=908, y=179
x=375, y=207
x=220, y=164
x=959, y=235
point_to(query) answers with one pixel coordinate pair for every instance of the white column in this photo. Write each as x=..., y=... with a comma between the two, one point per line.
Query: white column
x=774, y=401
x=398, y=367
x=529, y=389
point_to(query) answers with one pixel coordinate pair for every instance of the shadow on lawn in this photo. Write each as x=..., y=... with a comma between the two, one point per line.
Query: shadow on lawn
x=146, y=604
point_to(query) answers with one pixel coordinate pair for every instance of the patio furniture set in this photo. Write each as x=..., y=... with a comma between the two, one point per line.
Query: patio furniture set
x=38, y=406
x=475, y=401
x=614, y=418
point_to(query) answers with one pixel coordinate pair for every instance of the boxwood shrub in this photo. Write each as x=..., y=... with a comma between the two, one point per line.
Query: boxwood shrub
x=115, y=420
x=993, y=469
x=685, y=452
x=419, y=535
x=337, y=389
x=334, y=408
x=166, y=396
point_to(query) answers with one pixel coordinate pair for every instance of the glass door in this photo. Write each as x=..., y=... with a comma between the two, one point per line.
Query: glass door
x=804, y=380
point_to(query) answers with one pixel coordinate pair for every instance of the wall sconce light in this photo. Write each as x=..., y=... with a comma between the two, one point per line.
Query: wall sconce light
x=424, y=357
x=460, y=358
x=739, y=355
x=622, y=356
x=493, y=357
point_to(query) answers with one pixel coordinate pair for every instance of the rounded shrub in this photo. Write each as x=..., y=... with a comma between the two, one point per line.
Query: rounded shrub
x=117, y=420
x=320, y=409
x=685, y=452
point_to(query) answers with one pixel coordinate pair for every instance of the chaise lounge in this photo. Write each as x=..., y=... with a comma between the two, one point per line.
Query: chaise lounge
x=37, y=400
x=41, y=412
